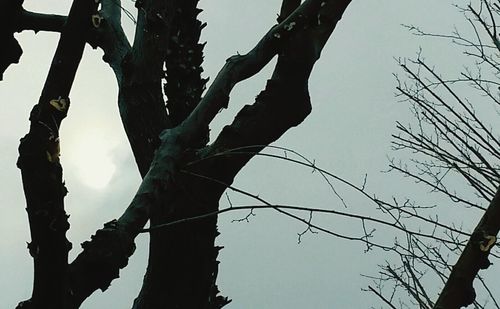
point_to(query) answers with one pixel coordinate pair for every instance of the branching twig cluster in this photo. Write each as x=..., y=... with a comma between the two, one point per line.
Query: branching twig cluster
x=453, y=148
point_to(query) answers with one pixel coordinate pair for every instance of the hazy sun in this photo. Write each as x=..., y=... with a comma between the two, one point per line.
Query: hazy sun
x=90, y=155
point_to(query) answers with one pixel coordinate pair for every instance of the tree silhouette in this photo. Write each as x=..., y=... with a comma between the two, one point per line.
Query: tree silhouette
x=449, y=144
x=183, y=176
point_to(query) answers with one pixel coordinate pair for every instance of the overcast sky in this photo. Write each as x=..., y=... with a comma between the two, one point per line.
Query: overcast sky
x=262, y=265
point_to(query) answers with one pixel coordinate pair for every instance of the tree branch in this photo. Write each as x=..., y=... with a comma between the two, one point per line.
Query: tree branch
x=237, y=68
x=158, y=189
x=13, y=18
x=108, y=34
x=40, y=168
x=40, y=22
x=287, y=8
x=140, y=101
x=200, y=196
x=285, y=102
x=459, y=291
x=176, y=140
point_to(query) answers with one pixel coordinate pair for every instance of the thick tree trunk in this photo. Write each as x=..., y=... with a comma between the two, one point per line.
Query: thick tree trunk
x=185, y=250
x=182, y=267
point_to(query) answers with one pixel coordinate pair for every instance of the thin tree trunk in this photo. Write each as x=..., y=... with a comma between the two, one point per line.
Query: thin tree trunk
x=459, y=290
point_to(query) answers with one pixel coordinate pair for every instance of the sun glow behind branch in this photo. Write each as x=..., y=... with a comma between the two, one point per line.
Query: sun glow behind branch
x=90, y=156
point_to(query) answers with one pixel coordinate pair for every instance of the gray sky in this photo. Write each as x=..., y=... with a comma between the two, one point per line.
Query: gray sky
x=348, y=132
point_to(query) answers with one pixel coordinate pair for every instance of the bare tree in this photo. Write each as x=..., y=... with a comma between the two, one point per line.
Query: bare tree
x=183, y=175
x=452, y=149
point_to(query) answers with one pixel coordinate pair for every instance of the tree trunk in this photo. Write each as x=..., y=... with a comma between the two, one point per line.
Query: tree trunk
x=40, y=168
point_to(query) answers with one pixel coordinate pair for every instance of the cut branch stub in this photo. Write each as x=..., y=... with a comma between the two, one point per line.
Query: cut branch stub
x=11, y=51
x=13, y=18
x=45, y=120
